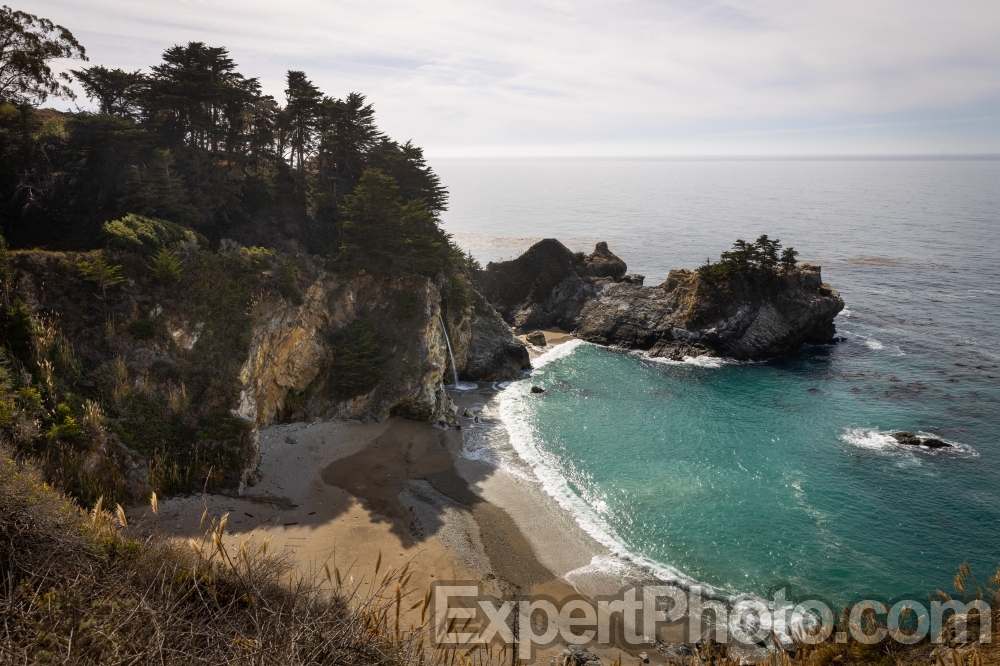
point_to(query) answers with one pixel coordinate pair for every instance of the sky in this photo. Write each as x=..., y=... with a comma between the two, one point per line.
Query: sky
x=470, y=78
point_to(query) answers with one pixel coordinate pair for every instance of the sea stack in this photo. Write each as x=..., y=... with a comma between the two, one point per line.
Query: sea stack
x=745, y=315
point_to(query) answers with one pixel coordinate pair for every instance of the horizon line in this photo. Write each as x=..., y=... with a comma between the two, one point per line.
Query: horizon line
x=722, y=157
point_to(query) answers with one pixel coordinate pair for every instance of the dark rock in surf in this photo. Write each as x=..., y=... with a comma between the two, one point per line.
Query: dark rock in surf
x=537, y=389
x=910, y=439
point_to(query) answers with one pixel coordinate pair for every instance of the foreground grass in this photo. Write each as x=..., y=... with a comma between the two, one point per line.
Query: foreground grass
x=75, y=589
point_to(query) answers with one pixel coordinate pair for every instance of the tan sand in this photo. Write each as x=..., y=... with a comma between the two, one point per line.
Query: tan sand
x=553, y=338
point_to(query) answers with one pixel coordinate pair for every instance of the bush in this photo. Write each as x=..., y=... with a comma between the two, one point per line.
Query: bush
x=357, y=357
x=146, y=235
x=407, y=305
x=166, y=266
x=101, y=273
x=286, y=286
x=17, y=330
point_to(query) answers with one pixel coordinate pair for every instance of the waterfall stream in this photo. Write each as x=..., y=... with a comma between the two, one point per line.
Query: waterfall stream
x=457, y=386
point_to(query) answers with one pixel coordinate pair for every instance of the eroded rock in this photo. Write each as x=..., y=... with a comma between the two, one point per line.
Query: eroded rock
x=547, y=286
x=536, y=338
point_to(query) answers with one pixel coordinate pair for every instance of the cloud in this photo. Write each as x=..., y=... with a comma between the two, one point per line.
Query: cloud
x=629, y=76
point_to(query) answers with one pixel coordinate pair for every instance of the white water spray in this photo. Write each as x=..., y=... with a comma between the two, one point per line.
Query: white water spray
x=458, y=386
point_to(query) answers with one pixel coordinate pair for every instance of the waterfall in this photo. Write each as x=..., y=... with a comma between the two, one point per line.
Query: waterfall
x=458, y=386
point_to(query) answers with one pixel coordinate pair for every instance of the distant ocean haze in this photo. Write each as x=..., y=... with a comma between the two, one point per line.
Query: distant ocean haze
x=747, y=476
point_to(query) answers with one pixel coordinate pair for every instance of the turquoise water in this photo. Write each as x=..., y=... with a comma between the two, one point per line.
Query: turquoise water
x=750, y=476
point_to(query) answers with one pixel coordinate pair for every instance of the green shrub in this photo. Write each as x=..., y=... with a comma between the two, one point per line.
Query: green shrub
x=101, y=273
x=758, y=259
x=579, y=257
x=146, y=235
x=357, y=357
x=287, y=287
x=142, y=329
x=64, y=425
x=714, y=273
x=259, y=256
x=458, y=294
x=407, y=305
x=166, y=266
x=30, y=398
x=788, y=259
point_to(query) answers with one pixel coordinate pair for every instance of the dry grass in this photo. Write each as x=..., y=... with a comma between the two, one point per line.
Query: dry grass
x=75, y=589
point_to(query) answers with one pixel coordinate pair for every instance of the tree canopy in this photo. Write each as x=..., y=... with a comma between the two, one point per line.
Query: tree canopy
x=27, y=45
x=760, y=258
x=193, y=141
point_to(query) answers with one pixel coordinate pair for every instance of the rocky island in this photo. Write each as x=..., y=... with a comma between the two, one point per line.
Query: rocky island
x=751, y=312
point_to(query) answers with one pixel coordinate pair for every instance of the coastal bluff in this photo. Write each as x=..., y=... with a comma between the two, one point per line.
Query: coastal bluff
x=742, y=316
x=174, y=378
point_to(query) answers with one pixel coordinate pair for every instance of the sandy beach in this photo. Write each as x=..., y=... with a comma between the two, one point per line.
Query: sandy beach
x=344, y=493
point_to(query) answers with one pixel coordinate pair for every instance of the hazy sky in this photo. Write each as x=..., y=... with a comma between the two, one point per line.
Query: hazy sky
x=554, y=77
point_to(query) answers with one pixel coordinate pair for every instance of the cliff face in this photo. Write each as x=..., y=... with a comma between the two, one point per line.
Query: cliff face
x=746, y=317
x=290, y=356
x=288, y=371
x=182, y=374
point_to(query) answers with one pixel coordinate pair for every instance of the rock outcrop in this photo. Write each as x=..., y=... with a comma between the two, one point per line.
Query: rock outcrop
x=750, y=316
x=910, y=439
x=547, y=286
x=741, y=318
x=290, y=353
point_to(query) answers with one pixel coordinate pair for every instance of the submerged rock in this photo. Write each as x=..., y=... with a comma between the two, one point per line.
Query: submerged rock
x=751, y=316
x=910, y=439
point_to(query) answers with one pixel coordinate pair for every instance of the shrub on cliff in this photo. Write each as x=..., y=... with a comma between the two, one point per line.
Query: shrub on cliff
x=147, y=235
x=165, y=266
x=357, y=357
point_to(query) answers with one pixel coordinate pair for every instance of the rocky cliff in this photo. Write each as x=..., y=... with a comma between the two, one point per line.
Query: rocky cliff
x=170, y=379
x=748, y=316
x=548, y=285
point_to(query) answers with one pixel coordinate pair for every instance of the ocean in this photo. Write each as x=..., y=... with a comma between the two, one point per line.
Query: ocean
x=754, y=476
